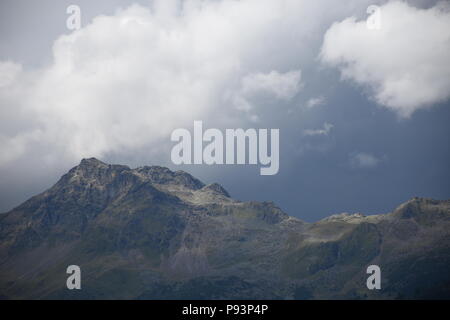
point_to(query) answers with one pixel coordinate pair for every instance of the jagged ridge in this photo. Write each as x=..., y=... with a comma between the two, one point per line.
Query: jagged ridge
x=154, y=233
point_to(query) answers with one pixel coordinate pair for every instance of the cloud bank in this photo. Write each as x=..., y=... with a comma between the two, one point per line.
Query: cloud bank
x=122, y=83
x=405, y=64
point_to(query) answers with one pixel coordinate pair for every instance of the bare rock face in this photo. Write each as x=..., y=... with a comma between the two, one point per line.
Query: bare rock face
x=151, y=233
x=216, y=188
x=163, y=176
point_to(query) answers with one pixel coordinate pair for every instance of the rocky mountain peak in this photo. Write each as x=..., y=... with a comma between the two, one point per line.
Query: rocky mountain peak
x=92, y=163
x=216, y=188
x=421, y=209
x=93, y=171
x=164, y=176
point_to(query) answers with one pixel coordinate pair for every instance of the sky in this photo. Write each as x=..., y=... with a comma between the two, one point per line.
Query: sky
x=361, y=99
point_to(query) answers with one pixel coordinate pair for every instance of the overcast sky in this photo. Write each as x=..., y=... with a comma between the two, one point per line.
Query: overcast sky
x=363, y=113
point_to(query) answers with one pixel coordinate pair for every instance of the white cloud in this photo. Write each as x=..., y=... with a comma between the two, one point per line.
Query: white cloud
x=314, y=102
x=364, y=160
x=9, y=71
x=281, y=85
x=319, y=132
x=405, y=63
x=14, y=148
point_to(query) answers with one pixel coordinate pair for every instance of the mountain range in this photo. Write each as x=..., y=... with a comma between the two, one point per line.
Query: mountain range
x=152, y=233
